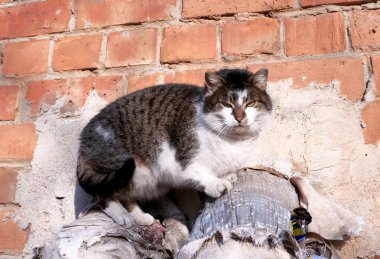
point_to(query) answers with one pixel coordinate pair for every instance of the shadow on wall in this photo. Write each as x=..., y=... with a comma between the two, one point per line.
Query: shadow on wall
x=81, y=199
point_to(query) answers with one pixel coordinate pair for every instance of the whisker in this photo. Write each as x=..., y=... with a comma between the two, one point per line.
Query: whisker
x=221, y=131
x=213, y=129
x=224, y=131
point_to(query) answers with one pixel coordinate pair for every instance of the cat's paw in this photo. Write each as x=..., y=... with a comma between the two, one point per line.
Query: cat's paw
x=218, y=188
x=119, y=214
x=145, y=219
x=232, y=177
x=141, y=218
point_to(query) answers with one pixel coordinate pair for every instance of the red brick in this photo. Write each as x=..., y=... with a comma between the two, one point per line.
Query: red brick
x=364, y=29
x=376, y=72
x=188, y=43
x=8, y=182
x=138, y=82
x=261, y=35
x=197, y=8
x=77, y=52
x=36, y=18
x=17, y=142
x=107, y=87
x=312, y=35
x=371, y=118
x=12, y=237
x=45, y=93
x=193, y=77
x=8, y=104
x=307, y=3
x=136, y=47
x=25, y=58
x=348, y=71
x=110, y=12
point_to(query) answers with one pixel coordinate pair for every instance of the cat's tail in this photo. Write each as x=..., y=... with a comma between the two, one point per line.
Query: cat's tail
x=101, y=182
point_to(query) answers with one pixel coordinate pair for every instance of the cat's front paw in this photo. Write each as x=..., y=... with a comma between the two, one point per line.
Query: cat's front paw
x=218, y=188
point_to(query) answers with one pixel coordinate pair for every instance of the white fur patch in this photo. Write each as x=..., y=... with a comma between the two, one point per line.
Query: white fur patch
x=256, y=119
x=167, y=164
x=242, y=96
x=146, y=183
x=106, y=134
x=221, y=156
x=228, y=117
x=151, y=183
x=251, y=113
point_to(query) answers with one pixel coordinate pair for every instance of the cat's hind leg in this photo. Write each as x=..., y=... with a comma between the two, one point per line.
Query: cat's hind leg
x=140, y=217
x=115, y=210
x=127, y=216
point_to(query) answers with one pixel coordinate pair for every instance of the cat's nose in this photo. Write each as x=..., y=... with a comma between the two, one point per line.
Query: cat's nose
x=239, y=115
x=239, y=119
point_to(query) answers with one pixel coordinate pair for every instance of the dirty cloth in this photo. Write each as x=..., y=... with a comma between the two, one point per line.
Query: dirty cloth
x=252, y=219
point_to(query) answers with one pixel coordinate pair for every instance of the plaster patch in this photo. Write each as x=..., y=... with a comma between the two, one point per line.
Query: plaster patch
x=316, y=134
x=45, y=191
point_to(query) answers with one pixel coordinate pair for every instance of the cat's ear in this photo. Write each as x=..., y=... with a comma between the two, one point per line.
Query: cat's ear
x=259, y=79
x=213, y=82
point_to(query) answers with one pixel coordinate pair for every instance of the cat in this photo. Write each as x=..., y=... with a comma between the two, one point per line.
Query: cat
x=172, y=135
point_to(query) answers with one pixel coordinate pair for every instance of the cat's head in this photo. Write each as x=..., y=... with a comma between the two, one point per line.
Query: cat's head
x=236, y=104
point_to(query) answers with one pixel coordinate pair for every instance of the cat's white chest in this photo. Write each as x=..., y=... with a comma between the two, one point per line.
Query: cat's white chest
x=222, y=156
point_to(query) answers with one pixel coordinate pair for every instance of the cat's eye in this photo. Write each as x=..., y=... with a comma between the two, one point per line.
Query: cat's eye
x=251, y=104
x=228, y=105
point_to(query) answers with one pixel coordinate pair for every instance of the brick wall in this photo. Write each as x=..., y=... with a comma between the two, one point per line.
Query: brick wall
x=67, y=48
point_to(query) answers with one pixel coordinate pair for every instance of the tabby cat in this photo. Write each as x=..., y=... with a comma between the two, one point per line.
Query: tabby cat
x=172, y=135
